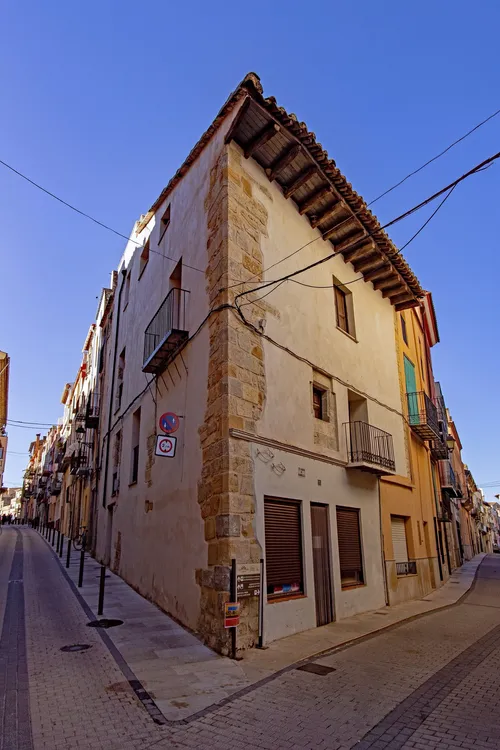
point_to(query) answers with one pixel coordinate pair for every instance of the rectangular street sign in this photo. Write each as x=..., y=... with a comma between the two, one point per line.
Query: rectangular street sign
x=248, y=585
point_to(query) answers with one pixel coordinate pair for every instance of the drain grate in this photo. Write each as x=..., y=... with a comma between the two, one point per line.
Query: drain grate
x=76, y=647
x=104, y=623
x=319, y=669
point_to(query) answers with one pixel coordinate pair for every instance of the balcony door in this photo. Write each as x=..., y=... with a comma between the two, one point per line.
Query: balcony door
x=411, y=391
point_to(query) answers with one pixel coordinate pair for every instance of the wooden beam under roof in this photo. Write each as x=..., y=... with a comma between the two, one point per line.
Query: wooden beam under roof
x=380, y=272
x=347, y=242
x=314, y=198
x=265, y=135
x=329, y=211
x=396, y=291
x=405, y=305
x=368, y=262
x=283, y=161
x=302, y=178
x=402, y=298
x=364, y=246
x=388, y=281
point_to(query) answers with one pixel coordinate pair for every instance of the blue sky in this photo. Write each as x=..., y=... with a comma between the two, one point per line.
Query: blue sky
x=101, y=102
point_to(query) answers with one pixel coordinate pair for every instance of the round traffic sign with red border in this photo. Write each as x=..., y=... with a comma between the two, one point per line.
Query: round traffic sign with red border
x=169, y=422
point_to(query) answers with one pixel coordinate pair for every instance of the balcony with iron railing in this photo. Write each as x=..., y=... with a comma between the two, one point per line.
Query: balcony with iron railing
x=369, y=448
x=422, y=415
x=92, y=411
x=408, y=568
x=447, y=477
x=439, y=449
x=166, y=332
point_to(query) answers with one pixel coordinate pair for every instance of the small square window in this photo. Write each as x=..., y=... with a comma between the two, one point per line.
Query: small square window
x=403, y=329
x=164, y=223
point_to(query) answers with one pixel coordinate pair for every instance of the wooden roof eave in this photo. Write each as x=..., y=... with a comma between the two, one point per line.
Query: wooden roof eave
x=374, y=256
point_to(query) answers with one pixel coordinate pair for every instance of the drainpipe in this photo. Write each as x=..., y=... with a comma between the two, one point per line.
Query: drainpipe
x=382, y=554
x=110, y=410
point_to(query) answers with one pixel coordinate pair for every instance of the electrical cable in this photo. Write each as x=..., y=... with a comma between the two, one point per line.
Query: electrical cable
x=20, y=421
x=479, y=168
x=399, y=218
x=360, y=278
x=434, y=158
x=88, y=216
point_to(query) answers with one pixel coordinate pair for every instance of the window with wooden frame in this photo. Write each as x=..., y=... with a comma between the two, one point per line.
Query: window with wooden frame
x=164, y=223
x=350, y=554
x=144, y=258
x=284, y=564
x=344, y=309
x=404, y=332
x=320, y=402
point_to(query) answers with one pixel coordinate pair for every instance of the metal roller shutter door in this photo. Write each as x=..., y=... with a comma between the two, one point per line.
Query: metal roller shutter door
x=349, y=542
x=283, y=544
x=399, y=539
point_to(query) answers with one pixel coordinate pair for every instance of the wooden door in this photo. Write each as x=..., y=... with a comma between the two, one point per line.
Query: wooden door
x=322, y=564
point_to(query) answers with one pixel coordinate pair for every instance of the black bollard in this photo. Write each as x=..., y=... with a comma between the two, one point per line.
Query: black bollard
x=100, y=606
x=80, y=573
x=68, y=553
x=61, y=546
x=53, y=535
x=58, y=541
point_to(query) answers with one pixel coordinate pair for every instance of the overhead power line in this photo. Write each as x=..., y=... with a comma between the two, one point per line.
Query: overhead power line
x=31, y=422
x=360, y=278
x=434, y=158
x=88, y=216
x=448, y=189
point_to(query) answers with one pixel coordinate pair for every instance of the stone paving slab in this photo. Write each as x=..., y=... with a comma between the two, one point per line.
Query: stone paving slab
x=280, y=654
x=184, y=677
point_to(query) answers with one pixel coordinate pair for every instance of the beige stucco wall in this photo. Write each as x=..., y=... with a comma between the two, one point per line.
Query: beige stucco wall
x=157, y=539
x=304, y=320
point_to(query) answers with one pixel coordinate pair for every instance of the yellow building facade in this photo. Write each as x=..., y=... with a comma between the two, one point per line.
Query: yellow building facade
x=409, y=504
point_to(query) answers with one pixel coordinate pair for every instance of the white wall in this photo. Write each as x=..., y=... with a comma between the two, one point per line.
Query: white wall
x=162, y=545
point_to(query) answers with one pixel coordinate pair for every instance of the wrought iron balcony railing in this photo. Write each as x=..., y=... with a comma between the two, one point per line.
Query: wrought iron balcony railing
x=92, y=411
x=422, y=415
x=439, y=449
x=447, y=477
x=166, y=332
x=408, y=568
x=369, y=448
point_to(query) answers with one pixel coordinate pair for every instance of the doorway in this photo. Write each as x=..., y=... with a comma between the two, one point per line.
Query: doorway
x=321, y=564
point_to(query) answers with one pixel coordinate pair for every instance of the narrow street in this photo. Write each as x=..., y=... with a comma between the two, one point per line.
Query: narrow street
x=433, y=682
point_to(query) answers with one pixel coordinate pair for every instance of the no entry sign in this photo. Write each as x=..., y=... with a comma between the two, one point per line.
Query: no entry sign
x=169, y=422
x=165, y=446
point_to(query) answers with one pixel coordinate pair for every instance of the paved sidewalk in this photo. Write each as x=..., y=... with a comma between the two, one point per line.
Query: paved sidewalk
x=184, y=677
x=280, y=654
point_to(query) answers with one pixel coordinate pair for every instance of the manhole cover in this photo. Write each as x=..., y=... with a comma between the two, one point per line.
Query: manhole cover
x=76, y=647
x=316, y=669
x=104, y=623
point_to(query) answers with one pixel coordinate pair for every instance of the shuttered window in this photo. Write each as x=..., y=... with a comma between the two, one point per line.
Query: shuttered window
x=283, y=548
x=341, y=304
x=399, y=545
x=350, y=557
